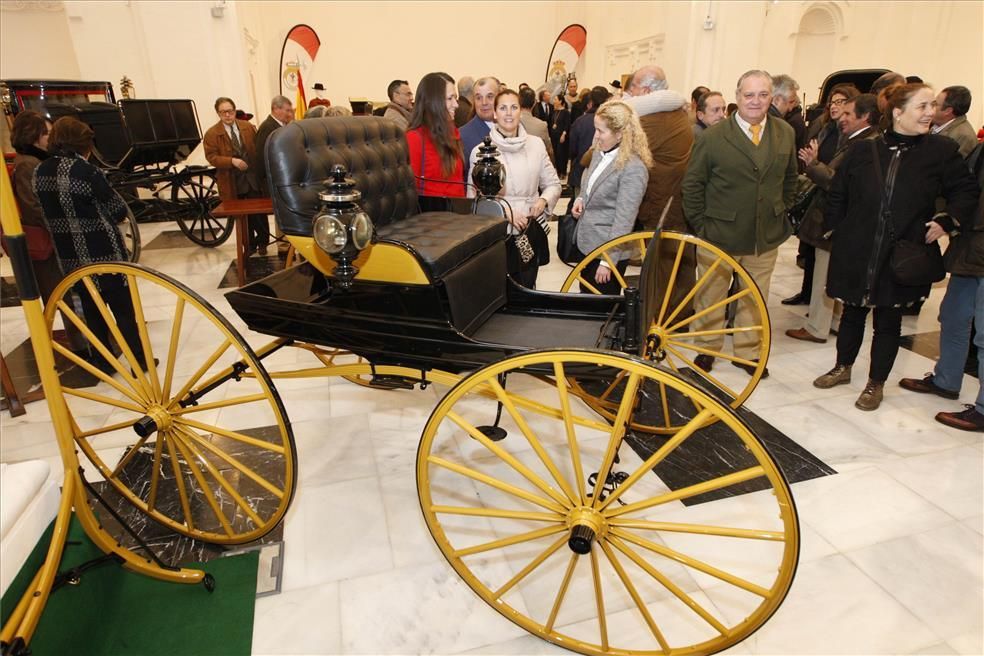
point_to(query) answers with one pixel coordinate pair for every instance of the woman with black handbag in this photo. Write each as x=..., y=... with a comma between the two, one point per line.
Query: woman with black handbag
x=882, y=216
x=531, y=189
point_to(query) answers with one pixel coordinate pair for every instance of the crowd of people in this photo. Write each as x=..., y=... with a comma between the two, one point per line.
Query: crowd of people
x=880, y=176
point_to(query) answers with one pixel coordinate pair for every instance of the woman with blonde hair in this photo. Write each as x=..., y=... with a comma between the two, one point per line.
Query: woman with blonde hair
x=612, y=190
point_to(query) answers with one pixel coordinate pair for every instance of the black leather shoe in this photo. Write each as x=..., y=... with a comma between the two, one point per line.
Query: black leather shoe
x=704, y=361
x=798, y=299
x=750, y=370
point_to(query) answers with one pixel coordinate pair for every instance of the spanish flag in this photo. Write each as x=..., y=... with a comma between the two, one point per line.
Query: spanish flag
x=300, y=103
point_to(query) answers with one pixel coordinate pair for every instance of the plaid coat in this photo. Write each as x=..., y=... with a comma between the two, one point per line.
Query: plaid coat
x=81, y=211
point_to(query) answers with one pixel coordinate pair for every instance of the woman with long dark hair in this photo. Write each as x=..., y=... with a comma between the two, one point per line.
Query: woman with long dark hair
x=434, y=143
x=884, y=194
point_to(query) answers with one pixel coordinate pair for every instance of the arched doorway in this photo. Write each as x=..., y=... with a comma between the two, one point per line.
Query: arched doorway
x=813, y=54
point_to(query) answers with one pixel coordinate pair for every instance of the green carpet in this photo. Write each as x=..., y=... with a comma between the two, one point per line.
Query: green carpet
x=116, y=612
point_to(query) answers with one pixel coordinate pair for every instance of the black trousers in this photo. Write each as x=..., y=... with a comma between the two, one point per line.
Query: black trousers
x=884, y=345
x=612, y=287
x=116, y=294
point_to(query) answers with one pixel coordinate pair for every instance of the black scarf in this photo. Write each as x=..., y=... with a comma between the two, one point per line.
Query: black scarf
x=33, y=151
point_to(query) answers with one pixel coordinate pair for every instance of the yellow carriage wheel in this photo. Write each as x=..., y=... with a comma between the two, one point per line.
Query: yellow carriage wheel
x=637, y=242
x=191, y=431
x=675, y=337
x=647, y=565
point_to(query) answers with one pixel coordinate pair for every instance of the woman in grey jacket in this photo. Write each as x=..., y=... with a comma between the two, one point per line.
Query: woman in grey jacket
x=612, y=190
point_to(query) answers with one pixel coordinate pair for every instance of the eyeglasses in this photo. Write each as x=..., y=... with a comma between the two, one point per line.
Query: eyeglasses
x=837, y=103
x=227, y=111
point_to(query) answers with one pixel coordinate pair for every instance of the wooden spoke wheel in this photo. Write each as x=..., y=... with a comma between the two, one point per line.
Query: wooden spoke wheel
x=195, y=195
x=185, y=423
x=578, y=540
x=686, y=322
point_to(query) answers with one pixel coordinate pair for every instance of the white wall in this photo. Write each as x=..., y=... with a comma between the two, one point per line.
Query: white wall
x=35, y=43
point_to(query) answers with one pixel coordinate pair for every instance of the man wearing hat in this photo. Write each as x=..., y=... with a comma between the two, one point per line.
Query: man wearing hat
x=319, y=90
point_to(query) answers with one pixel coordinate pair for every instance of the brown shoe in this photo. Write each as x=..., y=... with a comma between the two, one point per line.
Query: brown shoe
x=968, y=420
x=704, y=361
x=871, y=397
x=839, y=375
x=804, y=334
x=927, y=386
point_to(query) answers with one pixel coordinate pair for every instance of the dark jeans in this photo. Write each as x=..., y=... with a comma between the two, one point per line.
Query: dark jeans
x=884, y=345
x=809, y=255
x=116, y=295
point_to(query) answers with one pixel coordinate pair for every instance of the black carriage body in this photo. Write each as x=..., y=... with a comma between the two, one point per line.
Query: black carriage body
x=416, y=326
x=461, y=312
x=48, y=96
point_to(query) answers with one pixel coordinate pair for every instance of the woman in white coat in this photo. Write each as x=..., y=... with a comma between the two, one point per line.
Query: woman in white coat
x=532, y=187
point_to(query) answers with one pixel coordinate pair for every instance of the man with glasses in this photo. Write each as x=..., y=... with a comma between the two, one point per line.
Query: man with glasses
x=230, y=146
x=400, y=104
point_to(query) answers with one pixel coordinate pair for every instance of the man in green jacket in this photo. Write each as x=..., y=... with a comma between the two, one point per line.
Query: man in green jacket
x=740, y=180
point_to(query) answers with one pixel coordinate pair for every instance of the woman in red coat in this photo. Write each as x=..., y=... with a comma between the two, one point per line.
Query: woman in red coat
x=435, y=147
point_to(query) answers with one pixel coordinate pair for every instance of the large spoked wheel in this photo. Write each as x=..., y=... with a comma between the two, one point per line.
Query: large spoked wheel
x=630, y=565
x=195, y=194
x=688, y=319
x=185, y=423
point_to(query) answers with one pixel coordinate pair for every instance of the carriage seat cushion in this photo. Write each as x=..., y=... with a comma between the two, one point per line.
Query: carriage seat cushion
x=442, y=240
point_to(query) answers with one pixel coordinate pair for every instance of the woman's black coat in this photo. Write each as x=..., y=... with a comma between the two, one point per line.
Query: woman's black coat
x=930, y=166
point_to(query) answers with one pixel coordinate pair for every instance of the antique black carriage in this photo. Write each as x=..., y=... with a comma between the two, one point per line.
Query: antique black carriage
x=519, y=466
x=141, y=145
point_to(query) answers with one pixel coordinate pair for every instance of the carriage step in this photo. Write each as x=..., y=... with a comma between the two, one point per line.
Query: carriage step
x=392, y=382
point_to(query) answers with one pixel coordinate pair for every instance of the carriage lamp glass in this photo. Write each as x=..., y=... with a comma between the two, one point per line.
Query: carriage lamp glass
x=330, y=234
x=361, y=230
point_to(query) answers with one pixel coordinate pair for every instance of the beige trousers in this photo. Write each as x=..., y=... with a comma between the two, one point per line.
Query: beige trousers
x=715, y=290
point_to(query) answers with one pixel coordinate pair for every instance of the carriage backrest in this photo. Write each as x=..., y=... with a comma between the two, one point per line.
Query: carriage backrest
x=300, y=156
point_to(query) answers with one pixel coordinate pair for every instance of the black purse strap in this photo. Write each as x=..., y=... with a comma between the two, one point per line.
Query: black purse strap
x=883, y=213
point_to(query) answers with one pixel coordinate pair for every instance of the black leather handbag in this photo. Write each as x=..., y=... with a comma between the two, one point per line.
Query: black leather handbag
x=566, y=240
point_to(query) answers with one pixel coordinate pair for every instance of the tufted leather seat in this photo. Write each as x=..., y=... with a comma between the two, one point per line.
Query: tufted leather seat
x=300, y=156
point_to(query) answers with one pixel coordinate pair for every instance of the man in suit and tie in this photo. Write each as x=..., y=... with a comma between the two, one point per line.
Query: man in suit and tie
x=475, y=130
x=952, y=105
x=543, y=109
x=534, y=126
x=230, y=146
x=739, y=182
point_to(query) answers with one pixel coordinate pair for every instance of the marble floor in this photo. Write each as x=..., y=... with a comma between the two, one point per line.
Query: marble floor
x=891, y=557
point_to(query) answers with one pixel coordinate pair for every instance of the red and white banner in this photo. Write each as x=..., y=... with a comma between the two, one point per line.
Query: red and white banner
x=564, y=57
x=297, y=60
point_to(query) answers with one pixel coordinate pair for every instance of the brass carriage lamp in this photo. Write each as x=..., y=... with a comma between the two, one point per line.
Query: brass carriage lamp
x=341, y=227
x=489, y=175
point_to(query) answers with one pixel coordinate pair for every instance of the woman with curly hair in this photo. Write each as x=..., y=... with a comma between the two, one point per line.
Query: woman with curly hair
x=614, y=185
x=434, y=143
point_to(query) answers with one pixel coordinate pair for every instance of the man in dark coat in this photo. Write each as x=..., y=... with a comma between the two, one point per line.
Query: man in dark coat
x=740, y=180
x=475, y=130
x=543, y=109
x=281, y=113
x=962, y=306
x=856, y=122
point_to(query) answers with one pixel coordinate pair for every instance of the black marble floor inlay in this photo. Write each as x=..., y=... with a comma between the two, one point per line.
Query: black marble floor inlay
x=173, y=548
x=257, y=268
x=23, y=367
x=714, y=450
x=168, y=239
